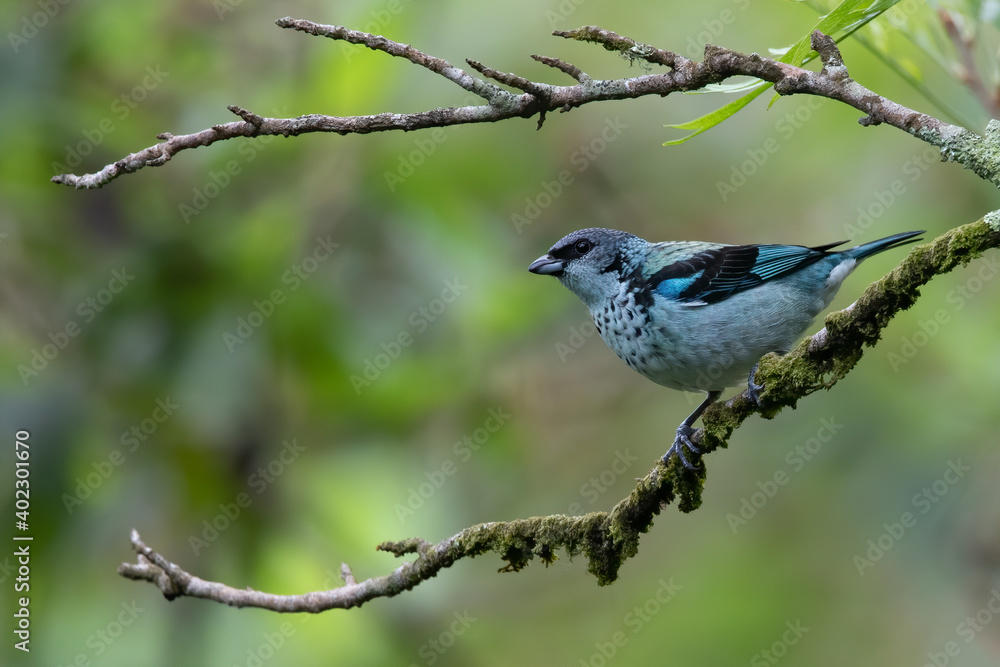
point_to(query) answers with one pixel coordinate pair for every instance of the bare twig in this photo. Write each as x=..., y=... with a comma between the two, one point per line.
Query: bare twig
x=607, y=539
x=957, y=144
x=969, y=73
x=572, y=70
x=627, y=46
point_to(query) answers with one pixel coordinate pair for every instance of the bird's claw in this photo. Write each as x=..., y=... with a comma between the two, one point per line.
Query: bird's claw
x=753, y=387
x=683, y=439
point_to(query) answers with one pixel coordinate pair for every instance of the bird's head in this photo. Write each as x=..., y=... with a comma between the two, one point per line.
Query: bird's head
x=591, y=263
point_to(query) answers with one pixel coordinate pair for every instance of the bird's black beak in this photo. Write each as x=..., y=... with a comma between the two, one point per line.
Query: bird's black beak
x=547, y=266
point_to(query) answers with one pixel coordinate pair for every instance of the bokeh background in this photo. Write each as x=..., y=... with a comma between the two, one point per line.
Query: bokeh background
x=162, y=410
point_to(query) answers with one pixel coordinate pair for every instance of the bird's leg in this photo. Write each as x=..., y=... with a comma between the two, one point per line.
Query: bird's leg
x=685, y=431
x=754, y=387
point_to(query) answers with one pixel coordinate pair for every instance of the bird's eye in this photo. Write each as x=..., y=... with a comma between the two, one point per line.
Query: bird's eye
x=583, y=247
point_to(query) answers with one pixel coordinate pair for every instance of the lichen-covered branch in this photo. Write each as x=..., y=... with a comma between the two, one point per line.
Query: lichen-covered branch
x=607, y=539
x=819, y=361
x=957, y=144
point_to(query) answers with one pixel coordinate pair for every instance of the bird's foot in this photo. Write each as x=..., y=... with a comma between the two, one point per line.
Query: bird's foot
x=753, y=387
x=683, y=439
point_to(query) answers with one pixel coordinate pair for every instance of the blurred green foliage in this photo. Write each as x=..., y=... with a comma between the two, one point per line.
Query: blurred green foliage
x=470, y=207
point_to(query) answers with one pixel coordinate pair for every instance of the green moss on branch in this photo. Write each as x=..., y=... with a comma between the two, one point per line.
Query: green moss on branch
x=608, y=539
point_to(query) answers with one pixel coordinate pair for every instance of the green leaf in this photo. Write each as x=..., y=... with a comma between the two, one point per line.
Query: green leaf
x=710, y=120
x=841, y=22
x=739, y=87
x=922, y=28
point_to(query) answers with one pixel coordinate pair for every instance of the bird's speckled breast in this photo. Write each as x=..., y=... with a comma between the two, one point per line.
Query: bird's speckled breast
x=624, y=324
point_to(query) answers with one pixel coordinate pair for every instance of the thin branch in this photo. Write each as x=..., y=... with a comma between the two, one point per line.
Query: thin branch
x=627, y=46
x=378, y=43
x=565, y=67
x=607, y=539
x=248, y=116
x=969, y=73
x=957, y=144
x=512, y=80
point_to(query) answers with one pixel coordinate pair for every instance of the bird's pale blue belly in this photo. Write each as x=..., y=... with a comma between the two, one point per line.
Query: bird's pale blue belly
x=700, y=348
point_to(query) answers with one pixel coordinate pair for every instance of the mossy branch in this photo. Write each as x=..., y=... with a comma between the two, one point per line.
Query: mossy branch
x=819, y=361
x=608, y=539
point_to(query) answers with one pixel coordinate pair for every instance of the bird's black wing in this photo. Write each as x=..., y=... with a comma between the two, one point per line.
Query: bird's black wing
x=717, y=272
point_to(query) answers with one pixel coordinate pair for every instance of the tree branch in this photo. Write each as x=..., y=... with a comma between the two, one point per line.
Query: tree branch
x=607, y=539
x=968, y=72
x=957, y=144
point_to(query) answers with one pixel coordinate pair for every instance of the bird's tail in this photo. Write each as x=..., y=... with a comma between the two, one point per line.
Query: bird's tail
x=868, y=249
